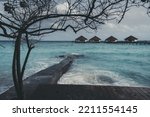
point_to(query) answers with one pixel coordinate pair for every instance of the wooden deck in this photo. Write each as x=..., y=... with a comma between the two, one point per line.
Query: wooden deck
x=89, y=92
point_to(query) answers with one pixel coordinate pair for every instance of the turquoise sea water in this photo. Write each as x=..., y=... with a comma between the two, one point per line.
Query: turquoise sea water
x=102, y=64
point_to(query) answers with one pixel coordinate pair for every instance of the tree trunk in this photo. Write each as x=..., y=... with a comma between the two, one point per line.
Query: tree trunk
x=16, y=68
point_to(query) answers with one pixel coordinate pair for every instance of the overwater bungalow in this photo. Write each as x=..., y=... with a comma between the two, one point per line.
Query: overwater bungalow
x=80, y=39
x=95, y=39
x=111, y=39
x=131, y=39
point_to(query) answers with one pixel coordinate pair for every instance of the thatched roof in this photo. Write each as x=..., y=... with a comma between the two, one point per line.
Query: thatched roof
x=81, y=38
x=111, y=39
x=131, y=39
x=95, y=39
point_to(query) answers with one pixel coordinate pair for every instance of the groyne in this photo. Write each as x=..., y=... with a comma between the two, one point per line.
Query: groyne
x=49, y=75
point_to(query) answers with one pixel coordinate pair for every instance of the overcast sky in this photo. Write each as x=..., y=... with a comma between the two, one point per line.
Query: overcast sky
x=136, y=23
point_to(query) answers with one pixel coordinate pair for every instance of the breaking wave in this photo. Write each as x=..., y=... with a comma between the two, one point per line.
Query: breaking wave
x=96, y=77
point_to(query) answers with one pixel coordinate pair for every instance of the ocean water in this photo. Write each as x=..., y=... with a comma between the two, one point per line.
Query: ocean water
x=101, y=63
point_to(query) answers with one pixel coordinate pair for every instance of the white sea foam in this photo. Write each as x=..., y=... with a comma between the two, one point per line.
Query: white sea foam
x=96, y=77
x=4, y=88
x=97, y=67
x=5, y=84
x=39, y=65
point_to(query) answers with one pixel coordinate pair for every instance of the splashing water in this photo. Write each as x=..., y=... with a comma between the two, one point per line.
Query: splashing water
x=100, y=64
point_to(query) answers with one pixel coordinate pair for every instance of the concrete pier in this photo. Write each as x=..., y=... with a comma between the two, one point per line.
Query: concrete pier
x=43, y=86
x=89, y=92
x=49, y=75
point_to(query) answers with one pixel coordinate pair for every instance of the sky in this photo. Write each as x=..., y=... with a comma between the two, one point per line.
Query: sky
x=136, y=22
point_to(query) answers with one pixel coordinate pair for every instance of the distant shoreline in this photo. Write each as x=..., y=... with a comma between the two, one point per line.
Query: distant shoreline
x=142, y=42
x=74, y=41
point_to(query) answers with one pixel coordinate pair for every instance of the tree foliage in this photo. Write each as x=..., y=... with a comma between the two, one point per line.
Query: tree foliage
x=23, y=19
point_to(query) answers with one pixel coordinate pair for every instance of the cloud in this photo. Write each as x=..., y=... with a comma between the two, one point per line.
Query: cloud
x=111, y=25
x=62, y=8
x=2, y=7
x=136, y=22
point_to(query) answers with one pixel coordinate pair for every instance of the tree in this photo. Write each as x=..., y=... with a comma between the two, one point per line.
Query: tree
x=23, y=19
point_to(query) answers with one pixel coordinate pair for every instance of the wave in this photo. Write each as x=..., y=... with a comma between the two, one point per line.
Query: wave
x=6, y=83
x=75, y=55
x=96, y=77
x=38, y=65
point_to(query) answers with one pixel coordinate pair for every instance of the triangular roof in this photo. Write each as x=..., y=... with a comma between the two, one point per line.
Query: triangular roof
x=111, y=38
x=95, y=38
x=81, y=38
x=131, y=38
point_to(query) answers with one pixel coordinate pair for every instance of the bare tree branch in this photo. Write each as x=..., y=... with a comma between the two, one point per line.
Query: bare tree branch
x=24, y=19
